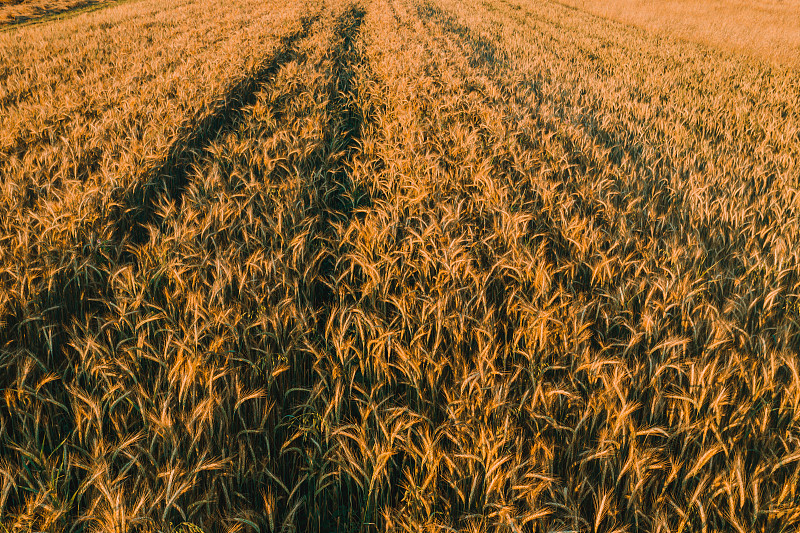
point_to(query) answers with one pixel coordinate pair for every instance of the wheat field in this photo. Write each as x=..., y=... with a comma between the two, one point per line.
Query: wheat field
x=394, y=266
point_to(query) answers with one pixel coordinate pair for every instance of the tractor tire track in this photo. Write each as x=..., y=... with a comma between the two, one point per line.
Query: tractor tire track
x=333, y=198
x=171, y=175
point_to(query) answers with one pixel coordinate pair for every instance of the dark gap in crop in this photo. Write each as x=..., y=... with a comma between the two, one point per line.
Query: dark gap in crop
x=337, y=199
x=171, y=175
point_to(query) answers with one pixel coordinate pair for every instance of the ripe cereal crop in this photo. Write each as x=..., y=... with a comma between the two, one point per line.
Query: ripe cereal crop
x=395, y=265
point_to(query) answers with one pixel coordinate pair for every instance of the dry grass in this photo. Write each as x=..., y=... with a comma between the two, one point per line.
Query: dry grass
x=766, y=28
x=395, y=265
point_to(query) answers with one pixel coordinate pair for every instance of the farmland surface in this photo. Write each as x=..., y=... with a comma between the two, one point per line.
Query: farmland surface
x=394, y=265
